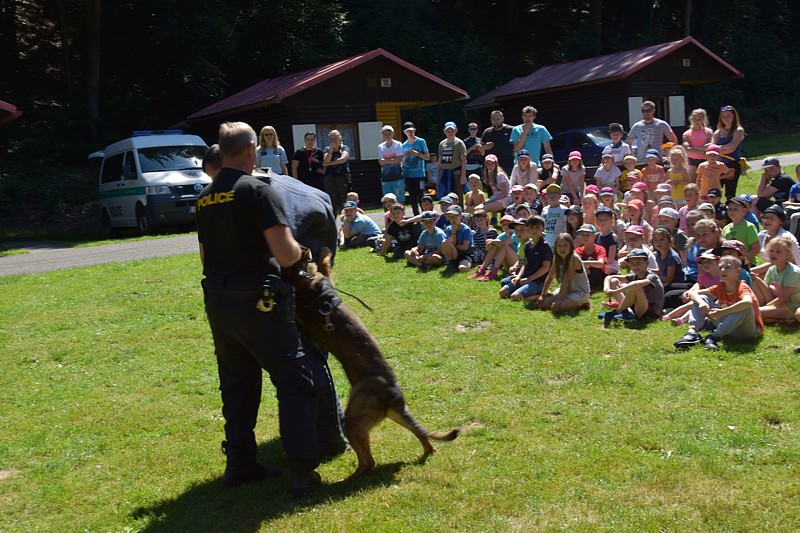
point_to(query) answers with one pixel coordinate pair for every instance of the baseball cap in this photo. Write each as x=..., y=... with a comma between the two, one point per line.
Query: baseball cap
x=531, y=186
x=427, y=197
x=490, y=157
x=587, y=228
x=712, y=149
x=714, y=192
x=737, y=200
x=518, y=222
x=607, y=191
x=637, y=252
x=553, y=187
x=707, y=255
x=547, y=157
x=523, y=153
x=652, y=152
x=389, y=196
x=350, y=204
x=453, y=196
x=639, y=186
x=592, y=188
x=506, y=218
x=574, y=209
x=730, y=245
x=517, y=188
x=408, y=126
x=603, y=209
x=575, y=155
x=445, y=200
x=705, y=206
x=428, y=215
x=663, y=187
x=747, y=198
x=563, y=199
x=771, y=162
x=455, y=210
x=668, y=212
x=635, y=229
x=776, y=210
x=636, y=204
x=606, y=153
x=450, y=125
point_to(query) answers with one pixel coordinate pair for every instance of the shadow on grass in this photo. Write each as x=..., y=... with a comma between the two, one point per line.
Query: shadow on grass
x=210, y=506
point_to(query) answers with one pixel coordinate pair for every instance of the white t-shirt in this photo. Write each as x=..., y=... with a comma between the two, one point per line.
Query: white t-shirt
x=395, y=150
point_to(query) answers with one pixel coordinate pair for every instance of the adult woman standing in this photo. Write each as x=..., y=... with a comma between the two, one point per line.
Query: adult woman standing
x=696, y=139
x=495, y=177
x=270, y=154
x=729, y=136
x=307, y=162
x=337, y=171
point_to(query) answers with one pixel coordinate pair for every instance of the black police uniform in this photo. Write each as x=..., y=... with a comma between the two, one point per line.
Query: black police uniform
x=232, y=214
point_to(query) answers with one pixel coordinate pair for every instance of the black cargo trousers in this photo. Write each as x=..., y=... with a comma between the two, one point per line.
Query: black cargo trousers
x=246, y=341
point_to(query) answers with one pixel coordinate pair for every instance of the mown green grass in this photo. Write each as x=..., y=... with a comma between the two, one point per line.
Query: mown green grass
x=111, y=415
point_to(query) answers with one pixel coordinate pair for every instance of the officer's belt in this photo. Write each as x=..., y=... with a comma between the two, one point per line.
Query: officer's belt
x=233, y=283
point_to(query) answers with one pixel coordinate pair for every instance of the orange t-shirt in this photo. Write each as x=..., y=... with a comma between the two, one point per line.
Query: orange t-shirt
x=653, y=176
x=718, y=292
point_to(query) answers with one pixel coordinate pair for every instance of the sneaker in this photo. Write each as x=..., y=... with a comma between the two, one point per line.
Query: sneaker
x=425, y=267
x=711, y=343
x=676, y=321
x=613, y=304
x=689, y=339
x=607, y=317
x=626, y=316
x=478, y=273
x=492, y=275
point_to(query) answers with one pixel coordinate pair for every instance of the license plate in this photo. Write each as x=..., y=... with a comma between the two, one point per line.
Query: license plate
x=192, y=209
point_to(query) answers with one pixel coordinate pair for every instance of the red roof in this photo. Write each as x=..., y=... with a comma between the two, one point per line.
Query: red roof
x=593, y=70
x=272, y=91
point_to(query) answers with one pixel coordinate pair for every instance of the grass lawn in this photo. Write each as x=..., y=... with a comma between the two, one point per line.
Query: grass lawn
x=111, y=415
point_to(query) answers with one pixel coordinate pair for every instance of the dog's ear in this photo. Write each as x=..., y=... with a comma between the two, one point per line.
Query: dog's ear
x=324, y=262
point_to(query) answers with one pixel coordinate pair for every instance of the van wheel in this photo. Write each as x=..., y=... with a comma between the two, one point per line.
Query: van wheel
x=108, y=228
x=143, y=222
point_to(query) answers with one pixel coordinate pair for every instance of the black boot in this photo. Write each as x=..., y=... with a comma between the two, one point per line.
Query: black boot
x=302, y=479
x=243, y=468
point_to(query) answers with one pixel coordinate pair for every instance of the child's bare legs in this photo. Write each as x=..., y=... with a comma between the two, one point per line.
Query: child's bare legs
x=610, y=284
x=433, y=260
x=636, y=301
x=449, y=251
x=763, y=293
x=412, y=256
x=772, y=314
x=760, y=270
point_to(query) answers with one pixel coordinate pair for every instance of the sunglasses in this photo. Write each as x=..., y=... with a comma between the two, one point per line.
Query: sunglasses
x=473, y=129
x=647, y=110
x=726, y=108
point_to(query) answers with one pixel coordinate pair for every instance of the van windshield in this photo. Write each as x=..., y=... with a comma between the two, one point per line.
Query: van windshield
x=163, y=158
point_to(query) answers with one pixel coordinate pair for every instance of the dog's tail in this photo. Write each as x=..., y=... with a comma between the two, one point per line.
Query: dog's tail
x=407, y=420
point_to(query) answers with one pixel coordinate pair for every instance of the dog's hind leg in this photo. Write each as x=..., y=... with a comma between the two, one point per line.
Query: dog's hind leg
x=357, y=431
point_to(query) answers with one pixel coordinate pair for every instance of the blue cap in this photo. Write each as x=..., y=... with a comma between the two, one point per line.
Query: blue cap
x=637, y=252
x=350, y=204
x=652, y=152
x=429, y=215
x=523, y=153
x=587, y=228
x=451, y=124
x=747, y=198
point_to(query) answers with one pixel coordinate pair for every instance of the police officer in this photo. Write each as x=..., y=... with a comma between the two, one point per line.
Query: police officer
x=244, y=240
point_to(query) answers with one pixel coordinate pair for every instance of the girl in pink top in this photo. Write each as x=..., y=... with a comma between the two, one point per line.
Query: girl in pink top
x=696, y=139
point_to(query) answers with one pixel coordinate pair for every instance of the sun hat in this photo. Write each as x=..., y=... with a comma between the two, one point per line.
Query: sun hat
x=575, y=155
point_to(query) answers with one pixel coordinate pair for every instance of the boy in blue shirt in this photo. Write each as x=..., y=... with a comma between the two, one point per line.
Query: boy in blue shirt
x=457, y=247
x=357, y=229
x=428, y=252
x=527, y=283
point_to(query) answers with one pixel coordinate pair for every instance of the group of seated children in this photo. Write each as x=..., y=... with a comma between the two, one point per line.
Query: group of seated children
x=673, y=252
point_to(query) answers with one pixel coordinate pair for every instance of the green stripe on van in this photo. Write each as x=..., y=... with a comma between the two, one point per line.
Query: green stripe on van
x=123, y=191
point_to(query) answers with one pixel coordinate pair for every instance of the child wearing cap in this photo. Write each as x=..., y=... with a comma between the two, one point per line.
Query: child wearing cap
x=669, y=217
x=357, y=229
x=730, y=306
x=573, y=176
x=711, y=172
x=618, y=149
x=549, y=172
x=634, y=215
x=720, y=209
x=653, y=173
x=388, y=200
x=592, y=255
x=445, y=203
x=428, y=252
x=517, y=198
x=783, y=279
x=773, y=219
x=399, y=238
x=475, y=196
x=554, y=214
x=481, y=234
x=432, y=171
x=500, y=252
x=750, y=216
x=639, y=192
x=607, y=238
x=630, y=174
x=634, y=239
x=452, y=155
x=607, y=175
x=530, y=195
x=740, y=229
x=527, y=283
x=426, y=203
x=574, y=219
x=678, y=173
x=458, y=244
x=570, y=272
x=639, y=294
x=524, y=171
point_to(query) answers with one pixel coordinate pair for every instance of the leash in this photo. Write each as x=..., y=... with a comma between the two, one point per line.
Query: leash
x=354, y=296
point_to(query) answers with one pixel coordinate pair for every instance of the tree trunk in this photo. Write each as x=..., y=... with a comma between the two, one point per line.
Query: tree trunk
x=93, y=66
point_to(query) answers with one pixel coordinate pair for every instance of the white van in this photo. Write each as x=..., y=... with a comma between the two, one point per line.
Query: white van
x=151, y=179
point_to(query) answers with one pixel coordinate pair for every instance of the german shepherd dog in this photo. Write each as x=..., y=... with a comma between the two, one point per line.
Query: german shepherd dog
x=374, y=391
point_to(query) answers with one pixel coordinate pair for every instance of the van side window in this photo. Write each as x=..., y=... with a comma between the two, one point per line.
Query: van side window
x=112, y=169
x=129, y=167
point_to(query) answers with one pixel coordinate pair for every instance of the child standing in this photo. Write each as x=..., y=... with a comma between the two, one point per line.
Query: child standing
x=783, y=279
x=640, y=293
x=573, y=177
x=573, y=291
x=428, y=252
x=527, y=283
x=554, y=214
x=653, y=173
x=432, y=171
x=711, y=172
x=730, y=306
x=619, y=150
x=678, y=174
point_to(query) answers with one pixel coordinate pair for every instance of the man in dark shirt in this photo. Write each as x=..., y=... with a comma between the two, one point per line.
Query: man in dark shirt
x=497, y=140
x=244, y=239
x=774, y=185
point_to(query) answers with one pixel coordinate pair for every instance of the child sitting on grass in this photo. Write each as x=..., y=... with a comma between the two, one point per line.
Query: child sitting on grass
x=428, y=252
x=458, y=244
x=570, y=272
x=640, y=294
x=607, y=238
x=592, y=255
x=783, y=280
x=357, y=229
x=526, y=284
x=730, y=306
x=740, y=229
x=500, y=252
x=480, y=236
x=475, y=196
x=399, y=238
